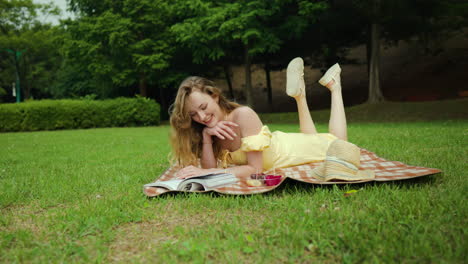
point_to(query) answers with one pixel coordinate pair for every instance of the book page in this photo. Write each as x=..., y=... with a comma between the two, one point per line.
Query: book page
x=213, y=181
x=171, y=184
x=208, y=174
x=190, y=186
x=197, y=183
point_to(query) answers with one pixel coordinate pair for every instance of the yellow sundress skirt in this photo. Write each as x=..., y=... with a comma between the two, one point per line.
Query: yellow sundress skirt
x=281, y=149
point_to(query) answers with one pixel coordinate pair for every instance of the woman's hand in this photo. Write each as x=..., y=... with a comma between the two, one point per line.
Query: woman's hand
x=222, y=130
x=190, y=171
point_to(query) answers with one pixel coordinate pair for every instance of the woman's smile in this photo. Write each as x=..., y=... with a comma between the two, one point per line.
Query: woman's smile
x=203, y=108
x=208, y=120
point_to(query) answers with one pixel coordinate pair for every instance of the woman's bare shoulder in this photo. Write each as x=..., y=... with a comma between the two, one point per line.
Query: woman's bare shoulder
x=247, y=119
x=244, y=113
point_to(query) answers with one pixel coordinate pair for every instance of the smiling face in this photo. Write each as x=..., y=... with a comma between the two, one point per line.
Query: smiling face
x=203, y=108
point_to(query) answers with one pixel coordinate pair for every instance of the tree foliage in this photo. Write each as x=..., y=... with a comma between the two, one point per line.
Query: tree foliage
x=382, y=22
x=122, y=43
x=120, y=48
x=27, y=46
x=243, y=31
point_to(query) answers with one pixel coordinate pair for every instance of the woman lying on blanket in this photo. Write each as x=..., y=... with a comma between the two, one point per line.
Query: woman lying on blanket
x=208, y=127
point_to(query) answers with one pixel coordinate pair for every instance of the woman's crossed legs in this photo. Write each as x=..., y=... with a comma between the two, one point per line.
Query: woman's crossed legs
x=296, y=89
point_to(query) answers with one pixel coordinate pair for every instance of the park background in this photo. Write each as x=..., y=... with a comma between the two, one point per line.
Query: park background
x=96, y=81
x=398, y=50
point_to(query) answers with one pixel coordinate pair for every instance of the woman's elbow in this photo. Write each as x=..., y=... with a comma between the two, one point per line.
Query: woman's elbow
x=208, y=167
x=255, y=169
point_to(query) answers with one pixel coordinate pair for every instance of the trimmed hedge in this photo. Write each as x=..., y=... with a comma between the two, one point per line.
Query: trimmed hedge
x=74, y=114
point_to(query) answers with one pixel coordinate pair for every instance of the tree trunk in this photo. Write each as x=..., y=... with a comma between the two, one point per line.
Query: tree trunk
x=375, y=92
x=163, y=104
x=143, y=85
x=248, y=77
x=368, y=48
x=26, y=82
x=18, y=79
x=268, y=84
x=227, y=75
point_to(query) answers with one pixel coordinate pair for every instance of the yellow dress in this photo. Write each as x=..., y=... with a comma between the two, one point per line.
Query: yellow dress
x=282, y=149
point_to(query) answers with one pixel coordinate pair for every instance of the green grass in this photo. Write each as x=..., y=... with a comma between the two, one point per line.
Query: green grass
x=387, y=112
x=76, y=196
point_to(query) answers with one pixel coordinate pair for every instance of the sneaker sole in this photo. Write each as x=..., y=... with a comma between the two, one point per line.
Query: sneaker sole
x=294, y=73
x=330, y=74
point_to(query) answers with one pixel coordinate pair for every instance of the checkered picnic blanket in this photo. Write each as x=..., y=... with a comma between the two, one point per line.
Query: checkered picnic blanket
x=385, y=170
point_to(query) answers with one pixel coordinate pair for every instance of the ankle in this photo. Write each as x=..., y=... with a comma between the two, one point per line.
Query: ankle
x=336, y=93
x=335, y=87
x=301, y=97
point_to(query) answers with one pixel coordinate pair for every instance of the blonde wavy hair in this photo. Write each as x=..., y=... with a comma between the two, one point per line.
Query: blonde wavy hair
x=186, y=134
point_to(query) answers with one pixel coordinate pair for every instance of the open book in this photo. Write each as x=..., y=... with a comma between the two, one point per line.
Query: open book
x=199, y=183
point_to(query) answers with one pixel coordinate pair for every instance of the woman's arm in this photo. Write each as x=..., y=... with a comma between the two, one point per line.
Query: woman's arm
x=222, y=130
x=249, y=125
x=208, y=159
x=242, y=172
x=255, y=165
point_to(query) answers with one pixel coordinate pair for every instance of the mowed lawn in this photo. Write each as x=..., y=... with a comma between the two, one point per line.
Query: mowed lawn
x=76, y=196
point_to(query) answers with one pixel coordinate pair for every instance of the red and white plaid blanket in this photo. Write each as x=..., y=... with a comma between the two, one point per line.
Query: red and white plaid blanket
x=385, y=170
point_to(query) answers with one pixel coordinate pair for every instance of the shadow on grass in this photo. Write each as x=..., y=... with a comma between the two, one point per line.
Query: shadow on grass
x=290, y=186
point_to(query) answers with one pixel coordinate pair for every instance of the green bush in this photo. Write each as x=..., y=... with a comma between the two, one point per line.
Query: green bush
x=3, y=93
x=73, y=114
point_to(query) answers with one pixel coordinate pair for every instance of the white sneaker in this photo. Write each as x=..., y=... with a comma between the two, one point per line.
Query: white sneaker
x=332, y=74
x=295, y=85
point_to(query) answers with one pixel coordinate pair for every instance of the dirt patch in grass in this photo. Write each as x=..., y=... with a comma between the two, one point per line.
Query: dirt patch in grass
x=134, y=238
x=30, y=218
x=21, y=218
x=140, y=241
